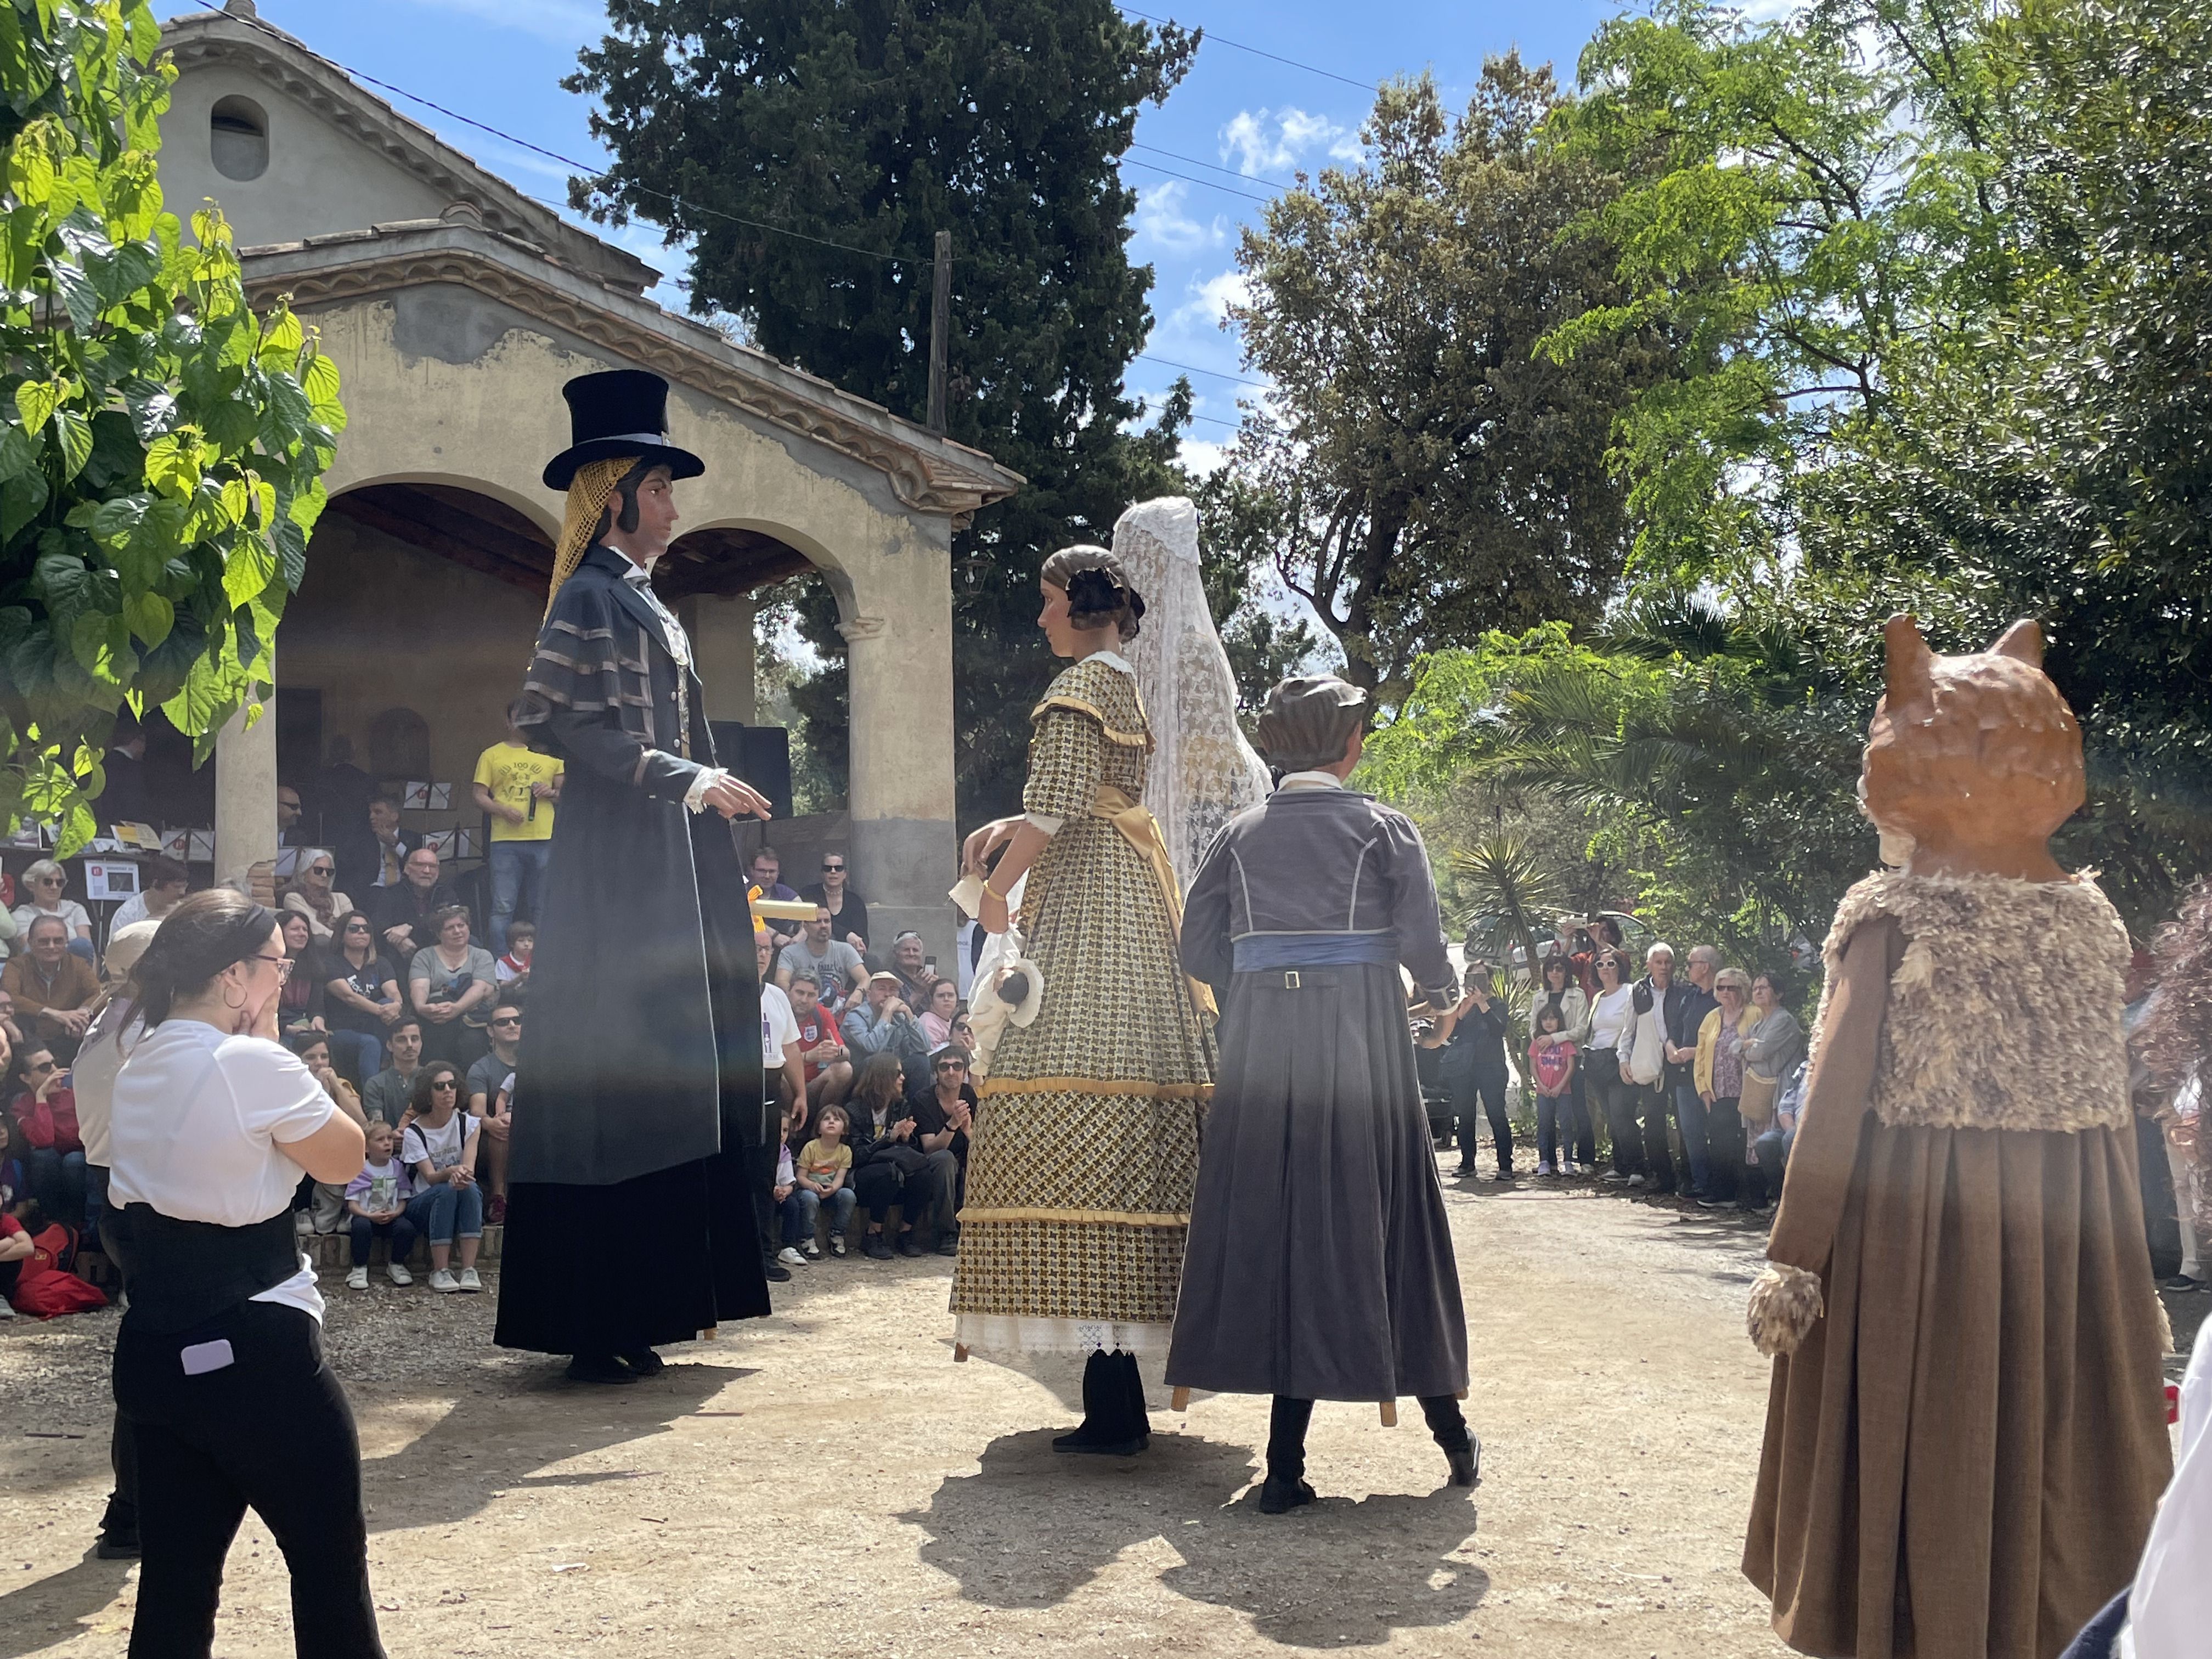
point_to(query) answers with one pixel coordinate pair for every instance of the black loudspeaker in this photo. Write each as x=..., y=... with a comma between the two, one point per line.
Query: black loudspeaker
x=761, y=754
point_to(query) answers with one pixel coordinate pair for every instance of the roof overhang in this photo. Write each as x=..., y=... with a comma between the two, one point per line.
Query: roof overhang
x=926, y=472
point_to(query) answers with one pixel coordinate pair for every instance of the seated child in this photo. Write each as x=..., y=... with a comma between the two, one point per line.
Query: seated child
x=376, y=1202
x=824, y=1176
x=514, y=968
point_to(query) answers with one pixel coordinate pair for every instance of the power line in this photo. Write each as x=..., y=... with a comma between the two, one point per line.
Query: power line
x=1193, y=369
x=1311, y=69
x=1203, y=183
x=1193, y=160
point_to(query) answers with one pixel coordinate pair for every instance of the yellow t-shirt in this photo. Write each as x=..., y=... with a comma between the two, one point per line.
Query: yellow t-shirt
x=508, y=771
x=816, y=1162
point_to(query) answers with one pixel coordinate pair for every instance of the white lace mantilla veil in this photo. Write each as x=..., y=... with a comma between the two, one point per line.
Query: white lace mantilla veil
x=1203, y=771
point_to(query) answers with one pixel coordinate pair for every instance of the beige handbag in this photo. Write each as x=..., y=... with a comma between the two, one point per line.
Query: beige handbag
x=1755, y=1105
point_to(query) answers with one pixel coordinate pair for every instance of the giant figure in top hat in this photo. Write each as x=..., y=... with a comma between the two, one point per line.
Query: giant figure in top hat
x=640, y=1084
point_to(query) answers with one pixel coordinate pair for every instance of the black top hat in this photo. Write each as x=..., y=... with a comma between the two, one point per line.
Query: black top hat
x=620, y=412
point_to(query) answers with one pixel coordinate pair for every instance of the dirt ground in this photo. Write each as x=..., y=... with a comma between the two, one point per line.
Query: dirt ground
x=829, y=1481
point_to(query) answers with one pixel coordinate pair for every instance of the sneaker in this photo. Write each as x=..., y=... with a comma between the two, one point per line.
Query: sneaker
x=398, y=1273
x=810, y=1250
x=2182, y=1284
x=303, y=1224
x=1614, y=1178
x=1637, y=1183
x=874, y=1248
x=6, y=1313
x=907, y=1244
x=443, y=1282
x=1569, y=1168
x=948, y=1243
x=469, y=1280
x=837, y=1245
x=1544, y=1167
x=357, y=1279
x=790, y=1257
x=1718, y=1204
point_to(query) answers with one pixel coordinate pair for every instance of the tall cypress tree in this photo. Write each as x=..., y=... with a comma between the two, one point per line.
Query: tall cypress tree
x=875, y=123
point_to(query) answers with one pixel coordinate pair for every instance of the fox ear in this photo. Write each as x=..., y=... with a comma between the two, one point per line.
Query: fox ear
x=2023, y=642
x=1906, y=671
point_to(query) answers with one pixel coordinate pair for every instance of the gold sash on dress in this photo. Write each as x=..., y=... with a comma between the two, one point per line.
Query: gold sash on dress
x=1142, y=831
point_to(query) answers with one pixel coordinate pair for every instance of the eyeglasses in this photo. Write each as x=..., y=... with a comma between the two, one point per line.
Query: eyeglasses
x=284, y=965
x=46, y=881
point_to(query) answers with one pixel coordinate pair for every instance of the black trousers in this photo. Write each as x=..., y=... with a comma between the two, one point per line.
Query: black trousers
x=1489, y=1084
x=271, y=1431
x=760, y=1176
x=1656, y=1101
x=1724, y=1146
x=1288, y=1418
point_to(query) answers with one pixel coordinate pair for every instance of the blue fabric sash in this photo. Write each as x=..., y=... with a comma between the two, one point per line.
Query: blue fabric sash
x=1260, y=952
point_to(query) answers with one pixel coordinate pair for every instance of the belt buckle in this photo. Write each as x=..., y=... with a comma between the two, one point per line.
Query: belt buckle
x=1290, y=980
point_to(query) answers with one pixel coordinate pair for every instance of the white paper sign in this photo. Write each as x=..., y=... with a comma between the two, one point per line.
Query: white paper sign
x=428, y=797
x=105, y=880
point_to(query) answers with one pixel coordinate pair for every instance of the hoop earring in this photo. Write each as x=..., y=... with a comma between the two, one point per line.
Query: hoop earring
x=237, y=1007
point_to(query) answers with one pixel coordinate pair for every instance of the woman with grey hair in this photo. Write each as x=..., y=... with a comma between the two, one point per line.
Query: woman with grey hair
x=47, y=884
x=1320, y=1262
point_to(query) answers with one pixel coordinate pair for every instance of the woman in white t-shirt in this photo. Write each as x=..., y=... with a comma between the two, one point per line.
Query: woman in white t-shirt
x=1605, y=1060
x=218, y=1364
x=440, y=1149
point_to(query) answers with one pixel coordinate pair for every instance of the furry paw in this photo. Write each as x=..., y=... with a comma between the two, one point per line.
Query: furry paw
x=1784, y=1303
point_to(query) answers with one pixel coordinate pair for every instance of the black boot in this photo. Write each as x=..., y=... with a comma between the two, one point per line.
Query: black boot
x=599, y=1368
x=644, y=1362
x=1447, y=1426
x=1285, y=1487
x=1107, y=1430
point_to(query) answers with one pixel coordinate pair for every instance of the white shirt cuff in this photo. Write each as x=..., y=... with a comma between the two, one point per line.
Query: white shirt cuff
x=1046, y=822
x=696, y=796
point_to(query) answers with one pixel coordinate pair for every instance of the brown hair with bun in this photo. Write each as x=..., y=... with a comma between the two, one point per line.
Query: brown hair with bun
x=1099, y=592
x=206, y=933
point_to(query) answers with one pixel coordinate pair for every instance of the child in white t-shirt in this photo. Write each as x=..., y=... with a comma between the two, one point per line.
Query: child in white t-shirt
x=376, y=1208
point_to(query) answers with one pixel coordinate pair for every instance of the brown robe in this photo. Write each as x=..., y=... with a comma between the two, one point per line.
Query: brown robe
x=1963, y=1456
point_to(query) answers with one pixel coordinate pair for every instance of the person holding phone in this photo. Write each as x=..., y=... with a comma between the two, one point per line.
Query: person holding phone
x=219, y=1364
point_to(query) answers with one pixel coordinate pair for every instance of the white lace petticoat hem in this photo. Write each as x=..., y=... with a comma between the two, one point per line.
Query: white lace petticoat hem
x=996, y=1333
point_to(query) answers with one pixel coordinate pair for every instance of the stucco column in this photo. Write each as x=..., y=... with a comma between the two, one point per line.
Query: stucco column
x=898, y=636
x=721, y=629
x=245, y=793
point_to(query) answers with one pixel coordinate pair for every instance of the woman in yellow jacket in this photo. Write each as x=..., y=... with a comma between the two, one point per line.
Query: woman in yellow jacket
x=1720, y=1082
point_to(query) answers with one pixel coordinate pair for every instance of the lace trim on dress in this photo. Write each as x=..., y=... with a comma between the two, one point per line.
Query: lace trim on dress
x=988, y=1333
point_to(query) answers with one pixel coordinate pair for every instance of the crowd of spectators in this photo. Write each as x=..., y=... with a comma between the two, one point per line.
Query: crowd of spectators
x=1682, y=1084
x=410, y=1011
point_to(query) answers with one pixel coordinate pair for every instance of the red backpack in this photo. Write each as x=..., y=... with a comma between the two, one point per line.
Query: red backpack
x=45, y=1288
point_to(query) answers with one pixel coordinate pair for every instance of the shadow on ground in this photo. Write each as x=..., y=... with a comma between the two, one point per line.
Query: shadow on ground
x=1339, y=1574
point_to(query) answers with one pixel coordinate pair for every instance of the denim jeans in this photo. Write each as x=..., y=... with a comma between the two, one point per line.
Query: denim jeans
x=358, y=1056
x=1763, y=1181
x=58, y=1182
x=1564, y=1118
x=439, y=1212
x=804, y=1204
x=1690, y=1117
x=517, y=867
x=1487, y=1086
x=399, y=1233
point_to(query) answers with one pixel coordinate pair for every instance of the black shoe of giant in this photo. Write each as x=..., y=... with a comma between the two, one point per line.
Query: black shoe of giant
x=777, y=1272
x=599, y=1368
x=118, y=1544
x=1087, y=1440
x=1279, y=1496
x=645, y=1362
x=1466, y=1463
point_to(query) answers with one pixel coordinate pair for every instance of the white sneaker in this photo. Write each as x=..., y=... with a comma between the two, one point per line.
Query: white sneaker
x=398, y=1274
x=1544, y=1167
x=442, y=1281
x=303, y=1224
x=1567, y=1168
x=790, y=1257
x=7, y=1313
x=469, y=1279
x=357, y=1279
x=1637, y=1181
x=811, y=1250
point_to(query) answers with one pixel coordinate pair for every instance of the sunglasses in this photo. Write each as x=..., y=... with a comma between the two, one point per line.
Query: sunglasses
x=41, y=1071
x=951, y=1066
x=319, y=869
x=356, y=927
x=442, y=1085
x=510, y=1019
x=833, y=869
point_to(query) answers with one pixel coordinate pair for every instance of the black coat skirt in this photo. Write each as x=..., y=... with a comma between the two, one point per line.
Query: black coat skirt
x=1319, y=1263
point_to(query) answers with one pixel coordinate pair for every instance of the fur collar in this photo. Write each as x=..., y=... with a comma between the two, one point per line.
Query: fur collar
x=2005, y=1011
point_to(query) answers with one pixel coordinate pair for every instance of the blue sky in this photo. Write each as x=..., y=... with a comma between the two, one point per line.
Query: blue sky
x=1250, y=121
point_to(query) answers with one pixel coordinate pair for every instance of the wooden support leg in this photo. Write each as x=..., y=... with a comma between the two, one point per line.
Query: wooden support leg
x=1179, y=1399
x=960, y=1353
x=1462, y=1393
x=1389, y=1413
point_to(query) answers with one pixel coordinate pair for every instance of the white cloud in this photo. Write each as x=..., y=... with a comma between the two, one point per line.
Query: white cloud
x=1210, y=299
x=1272, y=140
x=1162, y=220
x=564, y=22
x=1202, y=456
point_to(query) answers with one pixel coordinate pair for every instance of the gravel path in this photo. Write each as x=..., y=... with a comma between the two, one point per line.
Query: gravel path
x=827, y=1480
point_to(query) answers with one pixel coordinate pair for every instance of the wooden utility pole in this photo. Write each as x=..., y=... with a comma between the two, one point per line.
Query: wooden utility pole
x=940, y=330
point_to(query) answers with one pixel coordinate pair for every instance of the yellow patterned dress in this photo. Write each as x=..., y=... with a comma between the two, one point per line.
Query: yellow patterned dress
x=1086, y=1151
